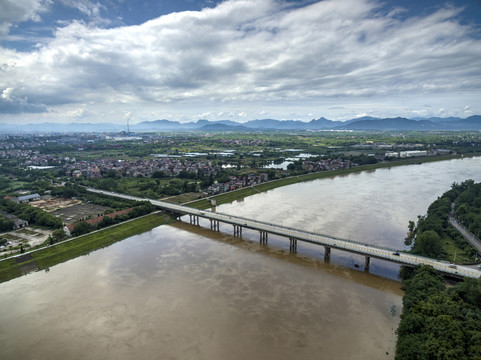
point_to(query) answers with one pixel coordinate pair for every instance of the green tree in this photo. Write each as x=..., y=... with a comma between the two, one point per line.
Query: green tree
x=6, y=224
x=107, y=221
x=428, y=243
x=58, y=235
x=411, y=233
x=81, y=228
x=158, y=174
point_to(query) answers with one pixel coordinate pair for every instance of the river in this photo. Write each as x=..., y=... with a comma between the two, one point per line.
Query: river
x=185, y=292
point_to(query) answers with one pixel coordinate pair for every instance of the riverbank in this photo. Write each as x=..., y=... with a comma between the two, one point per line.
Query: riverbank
x=44, y=258
x=245, y=192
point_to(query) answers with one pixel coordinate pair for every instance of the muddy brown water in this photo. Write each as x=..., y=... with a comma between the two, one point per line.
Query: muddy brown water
x=185, y=292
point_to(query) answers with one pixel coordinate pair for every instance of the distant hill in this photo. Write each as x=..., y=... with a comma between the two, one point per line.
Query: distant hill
x=155, y=125
x=363, y=123
x=391, y=124
x=223, y=127
x=470, y=123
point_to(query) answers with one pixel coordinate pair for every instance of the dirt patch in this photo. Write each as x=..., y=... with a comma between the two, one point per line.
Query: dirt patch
x=28, y=267
x=72, y=214
x=23, y=258
x=53, y=204
x=33, y=236
x=26, y=231
x=29, y=235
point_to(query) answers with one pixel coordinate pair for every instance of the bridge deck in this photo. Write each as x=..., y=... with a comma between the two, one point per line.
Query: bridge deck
x=313, y=238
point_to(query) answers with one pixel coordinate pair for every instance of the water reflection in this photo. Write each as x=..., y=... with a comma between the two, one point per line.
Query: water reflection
x=176, y=293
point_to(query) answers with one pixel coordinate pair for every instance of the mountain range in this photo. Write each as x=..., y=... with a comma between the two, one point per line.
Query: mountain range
x=363, y=123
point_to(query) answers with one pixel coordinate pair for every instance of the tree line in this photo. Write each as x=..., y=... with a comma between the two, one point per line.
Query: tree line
x=439, y=322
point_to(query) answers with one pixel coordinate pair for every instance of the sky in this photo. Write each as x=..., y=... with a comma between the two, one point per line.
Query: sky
x=119, y=61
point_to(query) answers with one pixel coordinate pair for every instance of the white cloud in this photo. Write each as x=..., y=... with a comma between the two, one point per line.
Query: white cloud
x=7, y=94
x=78, y=113
x=206, y=115
x=15, y=11
x=467, y=111
x=11, y=104
x=251, y=55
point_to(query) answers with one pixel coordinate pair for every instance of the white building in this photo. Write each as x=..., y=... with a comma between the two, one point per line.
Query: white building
x=412, y=153
x=392, y=154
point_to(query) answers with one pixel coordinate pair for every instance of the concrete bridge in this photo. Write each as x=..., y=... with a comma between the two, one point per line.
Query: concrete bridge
x=297, y=235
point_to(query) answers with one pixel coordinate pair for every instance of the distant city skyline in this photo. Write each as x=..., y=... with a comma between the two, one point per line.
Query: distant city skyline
x=74, y=61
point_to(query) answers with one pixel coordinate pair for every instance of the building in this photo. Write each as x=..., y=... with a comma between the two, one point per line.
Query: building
x=18, y=223
x=392, y=154
x=413, y=153
x=28, y=198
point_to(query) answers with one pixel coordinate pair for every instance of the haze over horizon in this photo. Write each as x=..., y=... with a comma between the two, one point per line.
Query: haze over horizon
x=102, y=61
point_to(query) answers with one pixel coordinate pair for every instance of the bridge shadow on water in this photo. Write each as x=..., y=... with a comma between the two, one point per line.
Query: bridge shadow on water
x=381, y=275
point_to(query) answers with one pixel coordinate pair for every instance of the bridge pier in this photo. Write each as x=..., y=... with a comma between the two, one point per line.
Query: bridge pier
x=263, y=237
x=237, y=230
x=194, y=219
x=367, y=262
x=293, y=245
x=214, y=225
x=327, y=253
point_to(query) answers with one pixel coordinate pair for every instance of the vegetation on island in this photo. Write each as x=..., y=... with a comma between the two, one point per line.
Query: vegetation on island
x=439, y=322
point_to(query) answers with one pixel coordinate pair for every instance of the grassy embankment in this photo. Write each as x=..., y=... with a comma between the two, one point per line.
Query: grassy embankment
x=44, y=258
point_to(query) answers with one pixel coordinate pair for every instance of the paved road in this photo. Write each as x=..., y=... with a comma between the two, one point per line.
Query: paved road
x=313, y=238
x=473, y=240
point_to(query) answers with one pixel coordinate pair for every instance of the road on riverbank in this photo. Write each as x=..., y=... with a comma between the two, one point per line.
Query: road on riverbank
x=470, y=237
